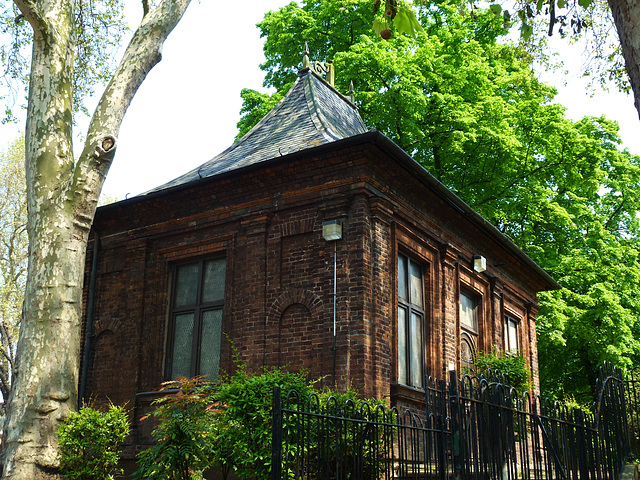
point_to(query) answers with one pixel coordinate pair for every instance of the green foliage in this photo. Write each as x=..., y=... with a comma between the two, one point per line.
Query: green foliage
x=586, y=21
x=99, y=29
x=255, y=106
x=511, y=364
x=90, y=443
x=243, y=423
x=184, y=435
x=13, y=255
x=466, y=104
x=225, y=425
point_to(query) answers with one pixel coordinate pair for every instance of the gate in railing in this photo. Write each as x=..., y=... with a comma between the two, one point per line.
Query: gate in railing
x=470, y=429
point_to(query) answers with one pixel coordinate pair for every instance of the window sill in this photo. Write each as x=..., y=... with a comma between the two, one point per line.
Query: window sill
x=403, y=394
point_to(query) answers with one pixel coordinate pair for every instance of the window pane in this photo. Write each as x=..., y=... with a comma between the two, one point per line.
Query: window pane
x=402, y=346
x=467, y=352
x=511, y=335
x=213, y=288
x=182, y=344
x=469, y=312
x=210, y=347
x=402, y=277
x=416, y=350
x=186, y=285
x=416, y=284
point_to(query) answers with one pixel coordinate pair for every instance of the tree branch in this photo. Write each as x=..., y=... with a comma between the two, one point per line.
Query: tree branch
x=33, y=14
x=142, y=54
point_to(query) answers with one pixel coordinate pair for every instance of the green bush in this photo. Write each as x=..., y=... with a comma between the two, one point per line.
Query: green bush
x=511, y=364
x=243, y=420
x=225, y=425
x=184, y=435
x=90, y=443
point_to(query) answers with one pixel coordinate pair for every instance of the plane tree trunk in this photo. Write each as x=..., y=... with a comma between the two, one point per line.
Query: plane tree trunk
x=626, y=15
x=62, y=195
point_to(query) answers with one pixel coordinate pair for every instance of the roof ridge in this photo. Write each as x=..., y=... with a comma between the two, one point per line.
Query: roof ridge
x=311, y=113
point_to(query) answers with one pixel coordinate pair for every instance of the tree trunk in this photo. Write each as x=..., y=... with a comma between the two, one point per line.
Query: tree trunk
x=48, y=344
x=626, y=15
x=62, y=195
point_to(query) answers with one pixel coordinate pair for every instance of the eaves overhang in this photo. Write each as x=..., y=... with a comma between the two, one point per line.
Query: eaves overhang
x=392, y=149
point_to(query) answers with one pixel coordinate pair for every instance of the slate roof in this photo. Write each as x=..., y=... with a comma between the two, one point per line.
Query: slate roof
x=312, y=113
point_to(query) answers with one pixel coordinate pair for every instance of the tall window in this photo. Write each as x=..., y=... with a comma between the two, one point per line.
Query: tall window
x=196, y=319
x=469, y=306
x=511, y=343
x=410, y=323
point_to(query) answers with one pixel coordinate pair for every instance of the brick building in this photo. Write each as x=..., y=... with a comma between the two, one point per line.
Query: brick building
x=238, y=252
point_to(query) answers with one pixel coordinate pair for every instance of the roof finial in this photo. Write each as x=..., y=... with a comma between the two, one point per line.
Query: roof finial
x=305, y=56
x=330, y=77
x=351, y=92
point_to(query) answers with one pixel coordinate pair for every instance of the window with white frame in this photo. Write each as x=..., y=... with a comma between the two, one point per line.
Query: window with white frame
x=511, y=337
x=469, y=308
x=411, y=314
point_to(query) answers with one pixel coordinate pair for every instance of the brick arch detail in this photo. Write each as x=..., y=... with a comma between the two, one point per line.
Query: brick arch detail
x=313, y=302
x=111, y=323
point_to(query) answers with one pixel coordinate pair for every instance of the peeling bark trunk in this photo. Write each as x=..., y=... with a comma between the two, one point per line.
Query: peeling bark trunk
x=62, y=196
x=626, y=15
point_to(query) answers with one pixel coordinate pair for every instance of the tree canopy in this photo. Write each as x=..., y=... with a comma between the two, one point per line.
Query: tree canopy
x=466, y=104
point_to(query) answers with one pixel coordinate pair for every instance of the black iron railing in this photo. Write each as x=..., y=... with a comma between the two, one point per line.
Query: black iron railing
x=632, y=389
x=470, y=429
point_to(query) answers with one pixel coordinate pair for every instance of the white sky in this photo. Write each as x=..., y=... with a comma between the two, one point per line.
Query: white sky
x=186, y=111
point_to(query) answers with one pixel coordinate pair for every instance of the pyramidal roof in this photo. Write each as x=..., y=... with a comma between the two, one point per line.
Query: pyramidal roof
x=312, y=113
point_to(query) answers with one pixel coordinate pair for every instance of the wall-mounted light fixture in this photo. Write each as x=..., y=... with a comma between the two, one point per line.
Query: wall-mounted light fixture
x=479, y=263
x=332, y=230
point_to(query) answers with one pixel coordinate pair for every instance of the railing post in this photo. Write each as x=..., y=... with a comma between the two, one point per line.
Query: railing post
x=276, y=436
x=456, y=430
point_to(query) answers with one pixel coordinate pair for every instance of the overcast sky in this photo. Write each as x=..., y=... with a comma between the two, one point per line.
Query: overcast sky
x=186, y=111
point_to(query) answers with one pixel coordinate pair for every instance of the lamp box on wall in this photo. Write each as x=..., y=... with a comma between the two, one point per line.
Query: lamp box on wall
x=332, y=230
x=479, y=263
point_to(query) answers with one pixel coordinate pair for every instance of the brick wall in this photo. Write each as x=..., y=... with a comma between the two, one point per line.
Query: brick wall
x=278, y=310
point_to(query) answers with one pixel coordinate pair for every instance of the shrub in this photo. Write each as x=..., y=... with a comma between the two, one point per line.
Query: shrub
x=184, y=434
x=511, y=364
x=90, y=443
x=243, y=421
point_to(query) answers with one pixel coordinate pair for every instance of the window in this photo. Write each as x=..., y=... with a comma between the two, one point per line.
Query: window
x=196, y=319
x=410, y=323
x=469, y=306
x=511, y=343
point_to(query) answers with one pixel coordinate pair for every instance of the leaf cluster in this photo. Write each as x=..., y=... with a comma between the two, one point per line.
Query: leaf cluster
x=227, y=425
x=511, y=365
x=90, y=443
x=467, y=105
x=99, y=29
x=184, y=435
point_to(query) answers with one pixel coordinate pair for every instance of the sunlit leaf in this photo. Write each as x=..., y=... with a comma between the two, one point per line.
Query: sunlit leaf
x=378, y=26
x=495, y=8
x=406, y=22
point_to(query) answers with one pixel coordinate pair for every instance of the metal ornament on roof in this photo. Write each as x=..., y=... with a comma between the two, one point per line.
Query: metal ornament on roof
x=322, y=69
